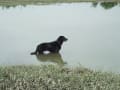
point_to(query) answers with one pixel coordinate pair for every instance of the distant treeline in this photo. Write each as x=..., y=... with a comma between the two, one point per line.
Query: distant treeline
x=95, y=3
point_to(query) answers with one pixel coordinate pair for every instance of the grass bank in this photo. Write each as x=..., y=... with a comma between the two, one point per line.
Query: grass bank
x=28, y=2
x=51, y=77
x=14, y=3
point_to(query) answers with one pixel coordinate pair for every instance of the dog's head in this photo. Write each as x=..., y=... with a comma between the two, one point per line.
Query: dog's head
x=62, y=38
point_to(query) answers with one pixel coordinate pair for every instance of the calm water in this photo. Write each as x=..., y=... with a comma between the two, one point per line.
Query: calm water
x=93, y=33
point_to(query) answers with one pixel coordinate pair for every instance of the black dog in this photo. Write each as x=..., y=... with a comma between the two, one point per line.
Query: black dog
x=52, y=47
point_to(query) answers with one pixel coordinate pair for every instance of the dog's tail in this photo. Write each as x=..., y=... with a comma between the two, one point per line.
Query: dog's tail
x=33, y=53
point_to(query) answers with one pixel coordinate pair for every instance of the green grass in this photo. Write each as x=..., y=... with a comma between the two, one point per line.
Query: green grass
x=52, y=77
x=28, y=2
x=13, y=3
x=106, y=4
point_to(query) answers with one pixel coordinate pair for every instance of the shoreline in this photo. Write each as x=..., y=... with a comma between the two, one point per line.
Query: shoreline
x=42, y=2
x=49, y=77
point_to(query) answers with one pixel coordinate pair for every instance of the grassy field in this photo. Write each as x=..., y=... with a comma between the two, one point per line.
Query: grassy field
x=52, y=77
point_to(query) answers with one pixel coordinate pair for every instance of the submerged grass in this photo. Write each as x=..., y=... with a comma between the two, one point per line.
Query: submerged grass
x=52, y=77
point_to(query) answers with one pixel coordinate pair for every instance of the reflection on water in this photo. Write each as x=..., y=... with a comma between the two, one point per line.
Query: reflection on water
x=9, y=6
x=105, y=5
x=93, y=33
x=51, y=57
x=109, y=5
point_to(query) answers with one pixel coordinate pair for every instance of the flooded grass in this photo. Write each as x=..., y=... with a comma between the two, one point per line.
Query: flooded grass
x=52, y=77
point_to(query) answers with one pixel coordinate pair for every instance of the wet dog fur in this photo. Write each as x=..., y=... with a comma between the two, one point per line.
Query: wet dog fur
x=52, y=47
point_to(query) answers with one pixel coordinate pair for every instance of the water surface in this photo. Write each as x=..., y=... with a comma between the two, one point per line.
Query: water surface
x=93, y=33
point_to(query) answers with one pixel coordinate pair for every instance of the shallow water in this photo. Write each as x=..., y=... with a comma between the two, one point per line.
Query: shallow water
x=93, y=33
